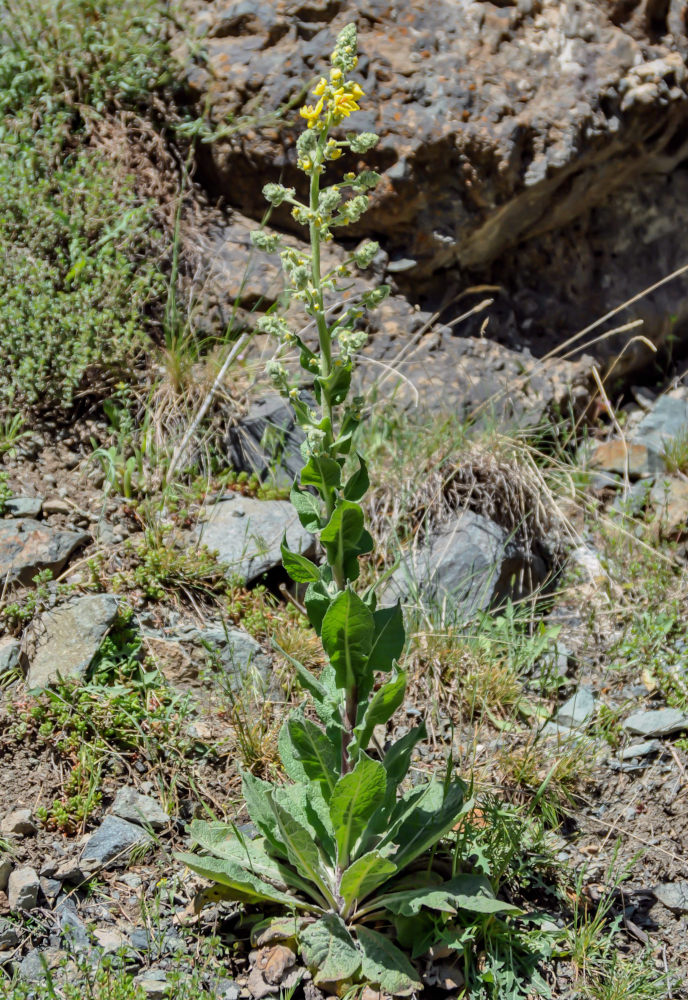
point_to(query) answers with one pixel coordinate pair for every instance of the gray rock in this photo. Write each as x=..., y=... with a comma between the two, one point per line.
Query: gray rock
x=50, y=887
x=667, y=420
x=227, y=989
x=33, y=965
x=110, y=940
x=22, y=889
x=247, y=534
x=267, y=439
x=18, y=823
x=5, y=869
x=24, y=506
x=72, y=927
x=64, y=641
x=659, y=722
x=9, y=654
x=142, y=809
x=467, y=566
x=154, y=984
x=113, y=842
x=673, y=895
x=9, y=937
x=28, y=546
x=578, y=710
x=636, y=750
x=181, y=653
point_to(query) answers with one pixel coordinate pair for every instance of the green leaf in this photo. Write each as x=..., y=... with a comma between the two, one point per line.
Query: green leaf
x=464, y=892
x=302, y=850
x=390, y=637
x=347, y=635
x=307, y=680
x=307, y=804
x=256, y=792
x=321, y=472
x=317, y=602
x=386, y=965
x=242, y=884
x=342, y=532
x=397, y=760
x=307, y=506
x=380, y=709
x=358, y=484
x=329, y=951
x=427, y=822
x=355, y=798
x=299, y=568
x=313, y=748
x=365, y=875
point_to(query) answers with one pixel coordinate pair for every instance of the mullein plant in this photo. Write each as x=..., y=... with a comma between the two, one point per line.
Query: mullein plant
x=352, y=860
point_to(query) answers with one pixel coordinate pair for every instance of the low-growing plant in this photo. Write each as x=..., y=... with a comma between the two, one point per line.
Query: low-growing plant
x=365, y=862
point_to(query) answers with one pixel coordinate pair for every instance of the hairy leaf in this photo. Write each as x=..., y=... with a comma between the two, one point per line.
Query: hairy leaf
x=242, y=884
x=386, y=965
x=464, y=892
x=307, y=506
x=323, y=473
x=355, y=798
x=317, y=602
x=397, y=760
x=347, y=635
x=302, y=849
x=358, y=484
x=364, y=875
x=342, y=532
x=390, y=637
x=307, y=804
x=427, y=821
x=300, y=569
x=256, y=792
x=320, y=758
x=380, y=709
x=329, y=951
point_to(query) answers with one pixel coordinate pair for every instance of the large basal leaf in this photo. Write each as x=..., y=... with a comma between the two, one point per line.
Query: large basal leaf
x=464, y=892
x=308, y=508
x=317, y=601
x=380, y=709
x=241, y=884
x=385, y=965
x=256, y=794
x=300, y=569
x=303, y=851
x=424, y=821
x=355, y=798
x=329, y=951
x=306, y=803
x=365, y=875
x=347, y=636
x=312, y=747
x=358, y=484
x=390, y=636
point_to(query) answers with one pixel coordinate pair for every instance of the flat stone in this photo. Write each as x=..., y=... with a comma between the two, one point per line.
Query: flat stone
x=659, y=722
x=620, y=456
x=181, y=653
x=6, y=866
x=9, y=654
x=28, y=546
x=22, y=889
x=673, y=895
x=578, y=710
x=247, y=534
x=669, y=498
x=64, y=641
x=637, y=750
x=467, y=566
x=18, y=823
x=113, y=842
x=154, y=984
x=24, y=506
x=33, y=965
x=142, y=809
x=9, y=936
x=110, y=940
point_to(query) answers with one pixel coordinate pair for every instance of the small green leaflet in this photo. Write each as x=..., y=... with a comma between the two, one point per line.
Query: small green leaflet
x=381, y=708
x=329, y=951
x=365, y=875
x=347, y=635
x=300, y=569
x=355, y=798
x=317, y=602
x=358, y=484
x=397, y=760
x=385, y=964
x=307, y=506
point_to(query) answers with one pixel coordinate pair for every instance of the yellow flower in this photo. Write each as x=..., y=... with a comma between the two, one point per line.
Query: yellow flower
x=320, y=89
x=344, y=103
x=335, y=74
x=312, y=114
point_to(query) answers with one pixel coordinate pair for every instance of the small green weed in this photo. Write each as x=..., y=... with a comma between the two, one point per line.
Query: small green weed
x=676, y=454
x=15, y=615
